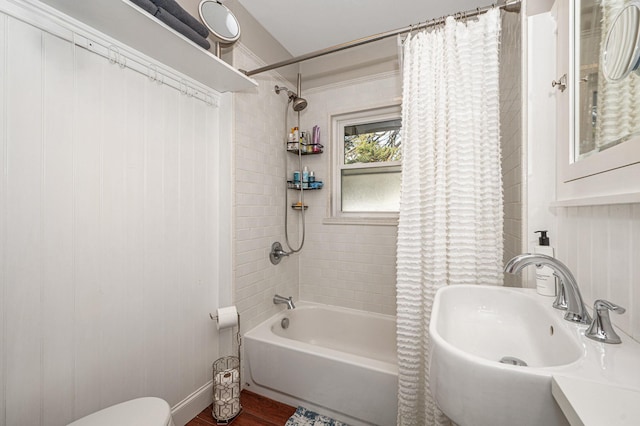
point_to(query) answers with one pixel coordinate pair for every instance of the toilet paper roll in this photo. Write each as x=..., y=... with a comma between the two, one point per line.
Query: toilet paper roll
x=227, y=376
x=227, y=317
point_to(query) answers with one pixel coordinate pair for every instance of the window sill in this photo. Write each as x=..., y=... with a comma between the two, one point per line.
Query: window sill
x=368, y=221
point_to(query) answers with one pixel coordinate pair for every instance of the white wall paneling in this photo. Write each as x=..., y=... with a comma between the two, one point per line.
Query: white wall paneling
x=58, y=237
x=3, y=215
x=601, y=245
x=108, y=225
x=23, y=232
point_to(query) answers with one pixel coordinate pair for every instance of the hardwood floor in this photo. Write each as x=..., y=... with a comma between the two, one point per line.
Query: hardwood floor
x=256, y=411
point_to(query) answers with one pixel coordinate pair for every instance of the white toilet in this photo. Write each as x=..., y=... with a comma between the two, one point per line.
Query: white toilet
x=147, y=411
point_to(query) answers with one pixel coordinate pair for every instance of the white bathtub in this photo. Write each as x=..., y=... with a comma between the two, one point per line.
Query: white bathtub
x=337, y=361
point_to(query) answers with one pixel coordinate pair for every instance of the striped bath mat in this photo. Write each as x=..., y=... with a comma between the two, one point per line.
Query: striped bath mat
x=304, y=417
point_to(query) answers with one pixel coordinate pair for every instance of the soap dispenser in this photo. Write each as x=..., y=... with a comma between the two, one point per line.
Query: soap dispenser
x=545, y=280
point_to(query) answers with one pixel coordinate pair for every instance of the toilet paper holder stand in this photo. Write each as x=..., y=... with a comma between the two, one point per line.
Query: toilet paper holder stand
x=225, y=421
x=238, y=336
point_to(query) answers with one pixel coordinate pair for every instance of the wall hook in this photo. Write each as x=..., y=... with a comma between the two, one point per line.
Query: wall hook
x=561, y=83
x=117, y=57
x=113, y=54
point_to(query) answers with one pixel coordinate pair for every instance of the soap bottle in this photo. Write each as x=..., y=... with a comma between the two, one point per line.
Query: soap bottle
x=545, y=280
x=305, y=177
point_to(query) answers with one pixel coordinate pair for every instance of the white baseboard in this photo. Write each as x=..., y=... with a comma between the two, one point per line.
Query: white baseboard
x=192, y=405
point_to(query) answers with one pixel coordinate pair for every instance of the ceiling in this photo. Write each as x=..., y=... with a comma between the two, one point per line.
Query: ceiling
x=303, y=26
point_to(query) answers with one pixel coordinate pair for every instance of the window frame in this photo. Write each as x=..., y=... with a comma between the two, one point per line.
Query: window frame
x=338, y=123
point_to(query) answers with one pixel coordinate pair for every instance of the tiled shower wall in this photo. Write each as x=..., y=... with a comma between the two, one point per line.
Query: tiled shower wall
x=259, y=175
x=601, y=245
x=345, y=264
x=511, y=137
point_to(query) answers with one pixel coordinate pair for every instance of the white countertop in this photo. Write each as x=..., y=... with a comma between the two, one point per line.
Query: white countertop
x=592, y=403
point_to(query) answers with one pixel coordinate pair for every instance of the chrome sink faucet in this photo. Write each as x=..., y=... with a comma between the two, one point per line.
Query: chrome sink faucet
x=576, y=311
x=277, y=299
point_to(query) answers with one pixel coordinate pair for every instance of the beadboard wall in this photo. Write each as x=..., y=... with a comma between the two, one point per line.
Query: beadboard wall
x=344, y=264
x=601, y=246
x=108, y=226
x=260, y=188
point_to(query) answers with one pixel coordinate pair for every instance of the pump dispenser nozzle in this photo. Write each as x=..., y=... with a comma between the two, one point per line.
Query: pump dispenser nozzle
x=543, y=240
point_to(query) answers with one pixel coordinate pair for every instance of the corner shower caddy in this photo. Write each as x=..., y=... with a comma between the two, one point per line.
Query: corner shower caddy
x=307, y=149
x=292, y=185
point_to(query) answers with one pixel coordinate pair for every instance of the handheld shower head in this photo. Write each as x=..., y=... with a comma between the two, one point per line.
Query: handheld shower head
x=299, y=103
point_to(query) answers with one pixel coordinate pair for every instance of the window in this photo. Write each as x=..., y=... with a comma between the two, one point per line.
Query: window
x=367, y=154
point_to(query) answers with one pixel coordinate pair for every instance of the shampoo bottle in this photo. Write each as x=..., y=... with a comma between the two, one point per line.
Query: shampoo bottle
x=305, y=177
x=545, y=280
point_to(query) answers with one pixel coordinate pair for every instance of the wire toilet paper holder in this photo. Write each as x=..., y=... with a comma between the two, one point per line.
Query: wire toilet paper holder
x=227, y=383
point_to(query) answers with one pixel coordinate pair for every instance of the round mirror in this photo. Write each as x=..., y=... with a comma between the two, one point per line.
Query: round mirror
x=220, y=21
x=622, y=49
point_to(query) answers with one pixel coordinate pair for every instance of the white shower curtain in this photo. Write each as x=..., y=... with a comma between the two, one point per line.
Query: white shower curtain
x=450, y=226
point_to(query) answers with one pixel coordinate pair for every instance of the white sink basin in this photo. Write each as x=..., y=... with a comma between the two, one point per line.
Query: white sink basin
x=494, y=322
x=474, y=327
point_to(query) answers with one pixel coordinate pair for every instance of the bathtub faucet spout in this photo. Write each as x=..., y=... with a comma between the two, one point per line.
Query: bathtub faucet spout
x=277, y=299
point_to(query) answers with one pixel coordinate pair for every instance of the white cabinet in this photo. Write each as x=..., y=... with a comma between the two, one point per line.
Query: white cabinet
x=606, y=177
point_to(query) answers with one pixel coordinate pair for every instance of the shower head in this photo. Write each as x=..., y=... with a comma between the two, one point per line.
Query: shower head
x=299, y=104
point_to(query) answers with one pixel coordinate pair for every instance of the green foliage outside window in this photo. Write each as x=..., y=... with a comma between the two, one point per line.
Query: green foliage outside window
x=379, y=146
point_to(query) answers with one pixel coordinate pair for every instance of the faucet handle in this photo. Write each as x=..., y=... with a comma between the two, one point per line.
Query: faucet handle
x=605, y=305
x=601, y=329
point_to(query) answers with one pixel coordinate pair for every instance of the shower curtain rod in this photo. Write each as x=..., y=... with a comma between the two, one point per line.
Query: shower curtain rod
x=509, y=6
